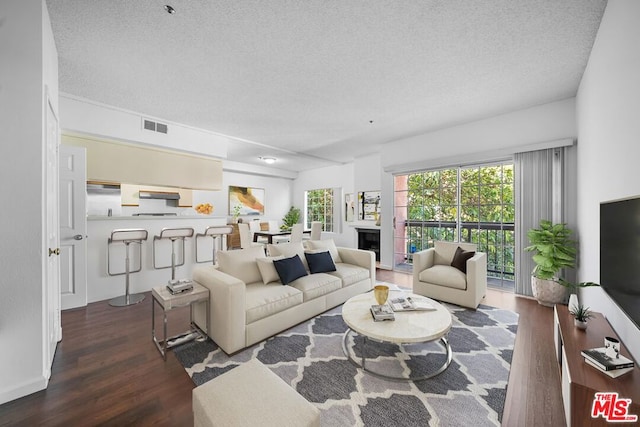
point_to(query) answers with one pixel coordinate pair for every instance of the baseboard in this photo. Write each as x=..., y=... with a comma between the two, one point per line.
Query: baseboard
x=23, y=389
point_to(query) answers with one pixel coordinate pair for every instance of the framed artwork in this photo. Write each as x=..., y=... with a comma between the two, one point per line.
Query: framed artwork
x=250, y=200
x=349, y=207
x=369, y=205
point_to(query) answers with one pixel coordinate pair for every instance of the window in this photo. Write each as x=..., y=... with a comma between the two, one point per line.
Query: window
x=320, y=207
x=467, y=204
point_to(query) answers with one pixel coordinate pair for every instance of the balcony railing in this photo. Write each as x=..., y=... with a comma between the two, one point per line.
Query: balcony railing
x=500, y=254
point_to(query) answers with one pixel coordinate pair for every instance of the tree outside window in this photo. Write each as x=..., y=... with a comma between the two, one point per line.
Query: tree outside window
x=472, y=204
x=319, y=207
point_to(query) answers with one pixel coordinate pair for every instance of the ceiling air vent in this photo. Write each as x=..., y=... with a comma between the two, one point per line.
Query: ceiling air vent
x=155, y=127
x=161, y=127
x=149, y=125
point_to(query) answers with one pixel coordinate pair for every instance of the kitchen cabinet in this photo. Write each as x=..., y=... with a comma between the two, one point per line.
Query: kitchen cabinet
x=129, y=194
x=111, y=161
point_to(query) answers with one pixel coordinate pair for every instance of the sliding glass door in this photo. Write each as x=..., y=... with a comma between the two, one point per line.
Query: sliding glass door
x=467, y=204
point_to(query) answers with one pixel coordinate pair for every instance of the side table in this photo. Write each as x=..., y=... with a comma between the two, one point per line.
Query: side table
x=168, y=302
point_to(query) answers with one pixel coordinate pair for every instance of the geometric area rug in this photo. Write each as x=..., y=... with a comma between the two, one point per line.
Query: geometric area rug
x=309, y=357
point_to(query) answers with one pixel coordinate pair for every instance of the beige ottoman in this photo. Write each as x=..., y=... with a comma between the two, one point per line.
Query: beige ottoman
x=251, y=395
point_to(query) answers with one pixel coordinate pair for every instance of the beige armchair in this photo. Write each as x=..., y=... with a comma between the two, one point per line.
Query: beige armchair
x=435, y=277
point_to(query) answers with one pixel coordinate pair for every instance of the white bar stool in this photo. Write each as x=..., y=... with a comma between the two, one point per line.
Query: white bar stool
x=172, y=234
x=214, y=232
x=126, y=236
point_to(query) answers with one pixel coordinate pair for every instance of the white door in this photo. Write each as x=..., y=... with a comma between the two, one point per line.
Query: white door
x=53, y=325
x=73, y=227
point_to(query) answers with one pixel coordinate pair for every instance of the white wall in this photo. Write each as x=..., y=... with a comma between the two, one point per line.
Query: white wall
x=277, y=194
x=482, y=140
x=93, y=118
x=608, y=103
x=27, y=44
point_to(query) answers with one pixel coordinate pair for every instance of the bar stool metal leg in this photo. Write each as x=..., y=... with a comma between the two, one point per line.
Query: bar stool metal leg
x=126, y=236
x=175, y=235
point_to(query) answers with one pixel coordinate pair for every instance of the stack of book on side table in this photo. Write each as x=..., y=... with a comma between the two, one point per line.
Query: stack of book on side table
x=612, y=366
x=382, y=312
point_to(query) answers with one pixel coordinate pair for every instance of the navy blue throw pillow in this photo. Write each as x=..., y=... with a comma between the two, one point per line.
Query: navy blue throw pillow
x=460, y=259
x=320, y=262
x=289, y=269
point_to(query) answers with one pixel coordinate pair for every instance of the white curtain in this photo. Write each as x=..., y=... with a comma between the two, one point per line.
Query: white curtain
x=538, y=195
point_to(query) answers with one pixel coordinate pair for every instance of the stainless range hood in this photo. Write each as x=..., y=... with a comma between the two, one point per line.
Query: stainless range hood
x=165, y=195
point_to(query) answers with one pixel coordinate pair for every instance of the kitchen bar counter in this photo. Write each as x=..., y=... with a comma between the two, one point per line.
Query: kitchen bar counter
x=101, y=286
x=221, y=219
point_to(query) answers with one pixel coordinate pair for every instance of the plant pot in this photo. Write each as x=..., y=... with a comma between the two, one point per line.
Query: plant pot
x=548, y=292
x=573, y=302
x=580, y=324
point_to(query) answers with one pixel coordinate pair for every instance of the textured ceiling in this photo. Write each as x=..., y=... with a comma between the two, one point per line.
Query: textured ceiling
x=303, y=79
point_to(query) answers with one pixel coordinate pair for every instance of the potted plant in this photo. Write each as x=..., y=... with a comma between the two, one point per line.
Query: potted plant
x=580, y=315
x=236, y=213
x=553, y=250
x=292, y=217
x=573, y=290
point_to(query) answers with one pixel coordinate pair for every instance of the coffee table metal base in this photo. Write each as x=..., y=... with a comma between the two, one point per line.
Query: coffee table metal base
x=363, y=366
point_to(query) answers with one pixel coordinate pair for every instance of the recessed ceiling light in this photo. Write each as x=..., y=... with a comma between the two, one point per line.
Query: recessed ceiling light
x=268, y=160
x=169, y=9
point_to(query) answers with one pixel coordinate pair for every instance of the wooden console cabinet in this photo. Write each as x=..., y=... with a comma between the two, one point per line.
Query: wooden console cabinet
x=580, y=381
x=233, y=239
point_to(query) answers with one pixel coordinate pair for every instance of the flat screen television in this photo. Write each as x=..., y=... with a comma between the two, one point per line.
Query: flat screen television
x=620, y=254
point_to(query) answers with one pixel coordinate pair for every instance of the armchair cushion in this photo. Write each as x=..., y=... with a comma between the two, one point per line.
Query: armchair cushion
x=460, y=259
x=444, y=275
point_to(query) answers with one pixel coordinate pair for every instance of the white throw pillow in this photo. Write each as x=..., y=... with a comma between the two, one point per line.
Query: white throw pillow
x=327, y=245
x=267, y=269
x=287, y=250
x=241, y=263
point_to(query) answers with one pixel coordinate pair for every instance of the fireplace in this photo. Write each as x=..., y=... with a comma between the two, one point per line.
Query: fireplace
x=369, y=239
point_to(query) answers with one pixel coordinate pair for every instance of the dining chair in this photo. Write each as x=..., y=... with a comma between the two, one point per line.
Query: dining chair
x=316, y=230
x=296, y=233
x=273, y=226
x=253, y=227
x=246, y=240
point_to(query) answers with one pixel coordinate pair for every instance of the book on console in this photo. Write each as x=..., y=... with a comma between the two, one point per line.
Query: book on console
x=410, y=304
x=599, y=359
x=615, y=373
x=382, y=312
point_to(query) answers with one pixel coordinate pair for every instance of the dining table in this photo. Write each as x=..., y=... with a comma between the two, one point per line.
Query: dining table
x=269, y=234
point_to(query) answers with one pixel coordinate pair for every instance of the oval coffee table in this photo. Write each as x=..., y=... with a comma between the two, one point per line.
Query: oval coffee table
x=408, y=327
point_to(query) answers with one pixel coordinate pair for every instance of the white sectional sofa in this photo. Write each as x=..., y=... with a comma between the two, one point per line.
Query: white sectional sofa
x=248, y=303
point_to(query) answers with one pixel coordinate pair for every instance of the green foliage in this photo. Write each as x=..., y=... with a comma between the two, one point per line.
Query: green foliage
x=581, y=313
x=553, y=248
x=486, y=195
x=236, y=211
x=574, y=286
x=292, y=217
x=320, y=207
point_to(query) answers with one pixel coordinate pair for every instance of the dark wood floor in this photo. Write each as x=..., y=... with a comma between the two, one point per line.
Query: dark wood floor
x=107, y=371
